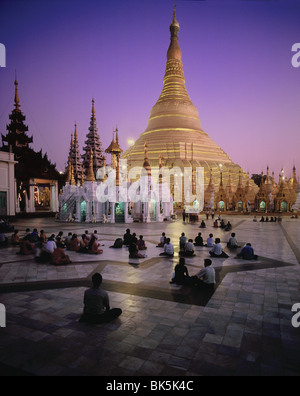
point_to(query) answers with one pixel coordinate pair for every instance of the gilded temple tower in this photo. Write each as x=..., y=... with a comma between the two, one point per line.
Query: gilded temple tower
x=174, y=129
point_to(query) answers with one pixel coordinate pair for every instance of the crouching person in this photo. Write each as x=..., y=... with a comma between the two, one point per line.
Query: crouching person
x=96, y=304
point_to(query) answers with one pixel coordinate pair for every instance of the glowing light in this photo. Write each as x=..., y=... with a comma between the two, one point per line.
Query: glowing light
x=130, y=142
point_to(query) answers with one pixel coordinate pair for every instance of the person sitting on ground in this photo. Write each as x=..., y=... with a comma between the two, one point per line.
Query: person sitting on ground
x=202, y=225
x=27, y=233
x=118, y=244
x=50, y=244
x=134, y=251
x=209, y=241
x=228, y=226
x=168, y=249
x=216, y=224
x=83, y=244
x=96, y=304
x=163, y=240
x=206, y=277
x=74, y=243
x=141, y=243
x=3, y=240
x=133, y=238
x=222, y=224
x=198, y=240
x=217, y=250
x=182, y=241
x=59, y=257
x=15, y=239
x=93, y=246
x=127, y=238
x=95, y=234
x=60, y=239
x=262, y=219
x=247, y=253
x=255, y=219
x=87, y=235
x=68, y=240
x=181, y=275
x=26, y=247
x=43, y=237
x=232, y=243
x=188, y=249
x=34, y=236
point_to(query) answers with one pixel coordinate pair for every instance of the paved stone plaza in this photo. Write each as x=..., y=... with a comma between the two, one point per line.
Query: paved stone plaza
x=165, y=330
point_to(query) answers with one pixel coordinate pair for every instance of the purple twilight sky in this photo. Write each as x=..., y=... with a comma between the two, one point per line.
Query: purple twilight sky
x=236, y=59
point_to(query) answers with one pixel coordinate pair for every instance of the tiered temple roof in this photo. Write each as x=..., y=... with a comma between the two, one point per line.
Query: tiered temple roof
x=93, y=143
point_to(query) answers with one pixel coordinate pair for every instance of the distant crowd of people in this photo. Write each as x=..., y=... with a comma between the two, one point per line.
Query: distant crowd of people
x=53, y=248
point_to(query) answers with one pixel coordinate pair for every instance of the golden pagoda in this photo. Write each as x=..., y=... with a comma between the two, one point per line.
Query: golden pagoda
x=174, y=129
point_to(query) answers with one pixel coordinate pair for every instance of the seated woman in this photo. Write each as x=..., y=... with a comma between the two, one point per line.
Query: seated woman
x=74, y=244
x=59, y=257
x=163, y=240
x=26, y=247
x=83, y=244
x=15, y=239
x=118, y=244
x=93, y=247
x=198, y=240
x=216, y=225
x=181, y=276
x=202, y=225
x=134, y=251
x=141, y=243
x=222, y=224
x=168, y=249
x=188, y=249
x=217, y=250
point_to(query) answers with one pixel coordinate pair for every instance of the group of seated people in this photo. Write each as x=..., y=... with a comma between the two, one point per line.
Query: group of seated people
x=52, y=249
x=263, y=219
x=133, y=244
x=225, y=227
x=205, y=278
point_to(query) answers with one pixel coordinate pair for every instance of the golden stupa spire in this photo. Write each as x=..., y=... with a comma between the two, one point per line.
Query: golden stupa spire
x=71, y=179
x=90, y=173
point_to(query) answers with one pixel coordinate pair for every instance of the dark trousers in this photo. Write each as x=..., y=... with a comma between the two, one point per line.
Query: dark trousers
x=106, y=317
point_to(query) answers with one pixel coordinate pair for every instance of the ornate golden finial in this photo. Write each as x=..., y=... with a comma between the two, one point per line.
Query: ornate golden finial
x=90, y=174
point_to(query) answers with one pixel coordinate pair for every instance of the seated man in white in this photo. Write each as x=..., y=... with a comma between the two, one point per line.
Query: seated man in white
x=217, y=250
x=206, y=276
x=168, y=249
